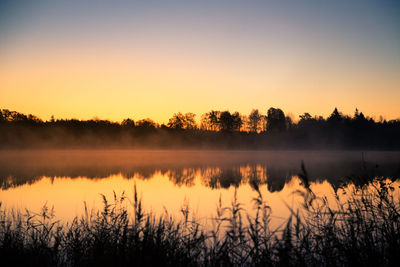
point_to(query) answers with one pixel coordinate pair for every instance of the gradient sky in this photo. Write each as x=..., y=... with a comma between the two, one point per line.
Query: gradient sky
x=138, y=59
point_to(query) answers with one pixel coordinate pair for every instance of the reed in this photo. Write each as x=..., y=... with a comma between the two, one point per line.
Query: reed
x=359, y=228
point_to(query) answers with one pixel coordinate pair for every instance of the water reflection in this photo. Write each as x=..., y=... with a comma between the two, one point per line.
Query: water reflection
x=215, y=169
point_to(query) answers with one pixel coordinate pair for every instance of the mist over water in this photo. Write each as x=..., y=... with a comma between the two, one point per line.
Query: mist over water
x=66, y=179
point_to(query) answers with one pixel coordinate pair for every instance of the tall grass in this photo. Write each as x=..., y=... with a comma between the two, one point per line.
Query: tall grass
x=360, y=227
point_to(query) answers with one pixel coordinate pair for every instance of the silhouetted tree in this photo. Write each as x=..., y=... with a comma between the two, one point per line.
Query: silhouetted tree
x=289, y=122
x=264, y=123
x=276, y=121
x=226, y=121
x=177, y=121
x=146, y=124
x=190, y=121
x=213, y=118
x=180, y=121
x=204, y=123
x=305, y=117
x=18, y=130
x=237, y=121
x=254, y=121
x=335, y=116
x=359, y=116
x=128, y=123
x=13, y=116
x=230, y=122
x=210, y=120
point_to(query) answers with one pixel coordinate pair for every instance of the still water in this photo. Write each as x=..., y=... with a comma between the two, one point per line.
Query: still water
x=166, y=180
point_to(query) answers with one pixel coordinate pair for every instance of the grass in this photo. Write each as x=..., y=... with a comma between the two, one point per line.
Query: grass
x=361, y=227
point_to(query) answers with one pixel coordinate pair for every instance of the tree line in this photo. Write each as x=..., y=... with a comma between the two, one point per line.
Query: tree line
x=216, y=129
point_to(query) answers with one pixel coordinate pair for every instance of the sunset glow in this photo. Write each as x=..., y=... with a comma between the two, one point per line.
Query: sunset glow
x=199, y=133
x=139, y=60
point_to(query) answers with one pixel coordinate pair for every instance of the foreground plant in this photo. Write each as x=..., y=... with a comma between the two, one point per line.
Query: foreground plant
x=360, y=227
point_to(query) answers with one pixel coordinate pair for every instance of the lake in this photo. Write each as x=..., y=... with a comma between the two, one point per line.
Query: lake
x=167, y=180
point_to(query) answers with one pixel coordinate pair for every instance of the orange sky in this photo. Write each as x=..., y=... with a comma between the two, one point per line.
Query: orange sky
x=55, y=62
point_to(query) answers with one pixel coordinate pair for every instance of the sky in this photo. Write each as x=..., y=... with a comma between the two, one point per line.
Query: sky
x=140, y=59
